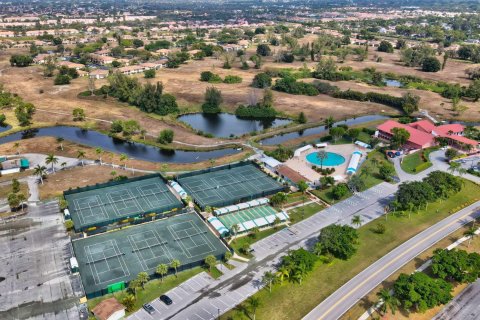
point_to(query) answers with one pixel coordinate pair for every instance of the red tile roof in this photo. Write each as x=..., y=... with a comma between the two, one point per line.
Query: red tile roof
x=417, y=137
x=464, y=140
x=106, y=308
x=424, y=125
x=444, y=129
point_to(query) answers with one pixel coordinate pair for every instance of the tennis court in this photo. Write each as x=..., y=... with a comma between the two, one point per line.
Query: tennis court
x=250, y=218
x=227, y=185
x=119, y=256
x=113, y=201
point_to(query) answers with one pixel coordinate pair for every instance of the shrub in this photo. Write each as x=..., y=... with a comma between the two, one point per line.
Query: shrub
x=149, y=74
x=61, y=79
x=290, y=85
x=211, y=77
x=262, y=80
x=431, y=64
x=385, y=46
x=232, y=79
x=165, y=136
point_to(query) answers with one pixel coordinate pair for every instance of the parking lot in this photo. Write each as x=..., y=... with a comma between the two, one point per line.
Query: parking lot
x=35, y=281
x=207, y=298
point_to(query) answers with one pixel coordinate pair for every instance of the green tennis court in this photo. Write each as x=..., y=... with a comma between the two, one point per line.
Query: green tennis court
x=223, y=186
x=247, y=215
x=113, y=201
x=119, y=256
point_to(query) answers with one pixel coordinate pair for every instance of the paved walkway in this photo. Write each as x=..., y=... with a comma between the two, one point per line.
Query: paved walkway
x=211, y=299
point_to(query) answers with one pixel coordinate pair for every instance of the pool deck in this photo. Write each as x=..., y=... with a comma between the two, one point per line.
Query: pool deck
x=302, y=166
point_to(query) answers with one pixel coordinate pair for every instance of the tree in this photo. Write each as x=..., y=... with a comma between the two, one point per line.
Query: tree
x=213, y=100
x=165, y=136
x=142, y=278
x=329, y=122
x=400, y=136
x=456, y=265
x=20, y=60
x=321, y=156
x=339, y=191
x=263, y=50
x=210, y=261
x=40, y=171
x=253, y=304
x=268, y=279
x=302, y=187
x=99, y=151
x=13, y=201
x=116, y=126
x=421, y=292
x=161, y=270
x=451, y=153
x=80, y=155
x=133, y=286
x=78, y=114
x=51, y=159
x=129, y=302
x=15, y=186
x=326, y=69
x=60, y=142
x=227, y=256
x=339, y=241
x=470, y=233
x=388, y=301
x=385, y=46
x=357, y=220
x=353, y=133
x=129, y=128
x=235, y=229
x=175, y=264
x=61, y=79
x=123, y=159
x=386, y=171
x=337, y=133
x=262, y=80
x=302, y=118
x=431, y=64
x=282, y=273
x=21, y=199
x=278, y=199
x=24, y=113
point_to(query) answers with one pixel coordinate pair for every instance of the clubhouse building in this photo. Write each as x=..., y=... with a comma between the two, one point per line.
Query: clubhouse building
x=424, y=134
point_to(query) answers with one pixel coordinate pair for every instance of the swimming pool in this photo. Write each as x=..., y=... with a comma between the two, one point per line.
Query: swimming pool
x=332, y=159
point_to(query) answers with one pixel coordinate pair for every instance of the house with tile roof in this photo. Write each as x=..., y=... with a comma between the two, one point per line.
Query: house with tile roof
x=424, y=134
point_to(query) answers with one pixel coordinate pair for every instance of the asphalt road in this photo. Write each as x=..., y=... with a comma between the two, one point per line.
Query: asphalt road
x=465, y=306
x=349, y=294
x=205, y=299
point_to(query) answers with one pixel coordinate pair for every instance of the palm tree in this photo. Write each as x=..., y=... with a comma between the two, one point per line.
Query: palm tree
x=60, y=141
x=321, y=156
x=318, y=248
x=357, y=220
x=268, y=279
x=16, y=145
x=254, y=304
x=142, y=278
x=387, y=301
x=329, y=122
x=81, y=156
x=454, y=167
x=282, y=273
x=175, y=264
x=124, y=158
x=99, y=151
x=40, y=171
x=470, y=233
x=299, y=274
x=276, y=222
x=133, y=286
x=210, y=261
x=51, y=159
x=235, y=229
x=143, y=133
x=162, y=270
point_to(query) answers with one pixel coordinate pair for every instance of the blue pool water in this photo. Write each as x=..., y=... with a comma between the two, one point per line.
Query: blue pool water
x=332, y=159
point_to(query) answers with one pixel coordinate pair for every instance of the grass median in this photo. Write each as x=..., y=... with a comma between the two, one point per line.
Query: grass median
x=293, y=301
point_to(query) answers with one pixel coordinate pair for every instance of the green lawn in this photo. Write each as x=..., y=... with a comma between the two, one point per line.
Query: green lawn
x=293, y=301
x=239, y=242
x=310, y=209
x=374, y=161
x=326, y=195
x=295, y=197
x=153, y=289
x=412, y=161
x=215, y=273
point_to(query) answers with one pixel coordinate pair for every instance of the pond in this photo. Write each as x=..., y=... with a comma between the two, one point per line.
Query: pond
x=132, y=150
x=5, y=128
x=278, y=139
x=226, y=125
x=393, y=83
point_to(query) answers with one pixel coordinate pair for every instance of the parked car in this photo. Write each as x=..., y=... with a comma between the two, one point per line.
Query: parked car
x=165, y=299
x=148, y=307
